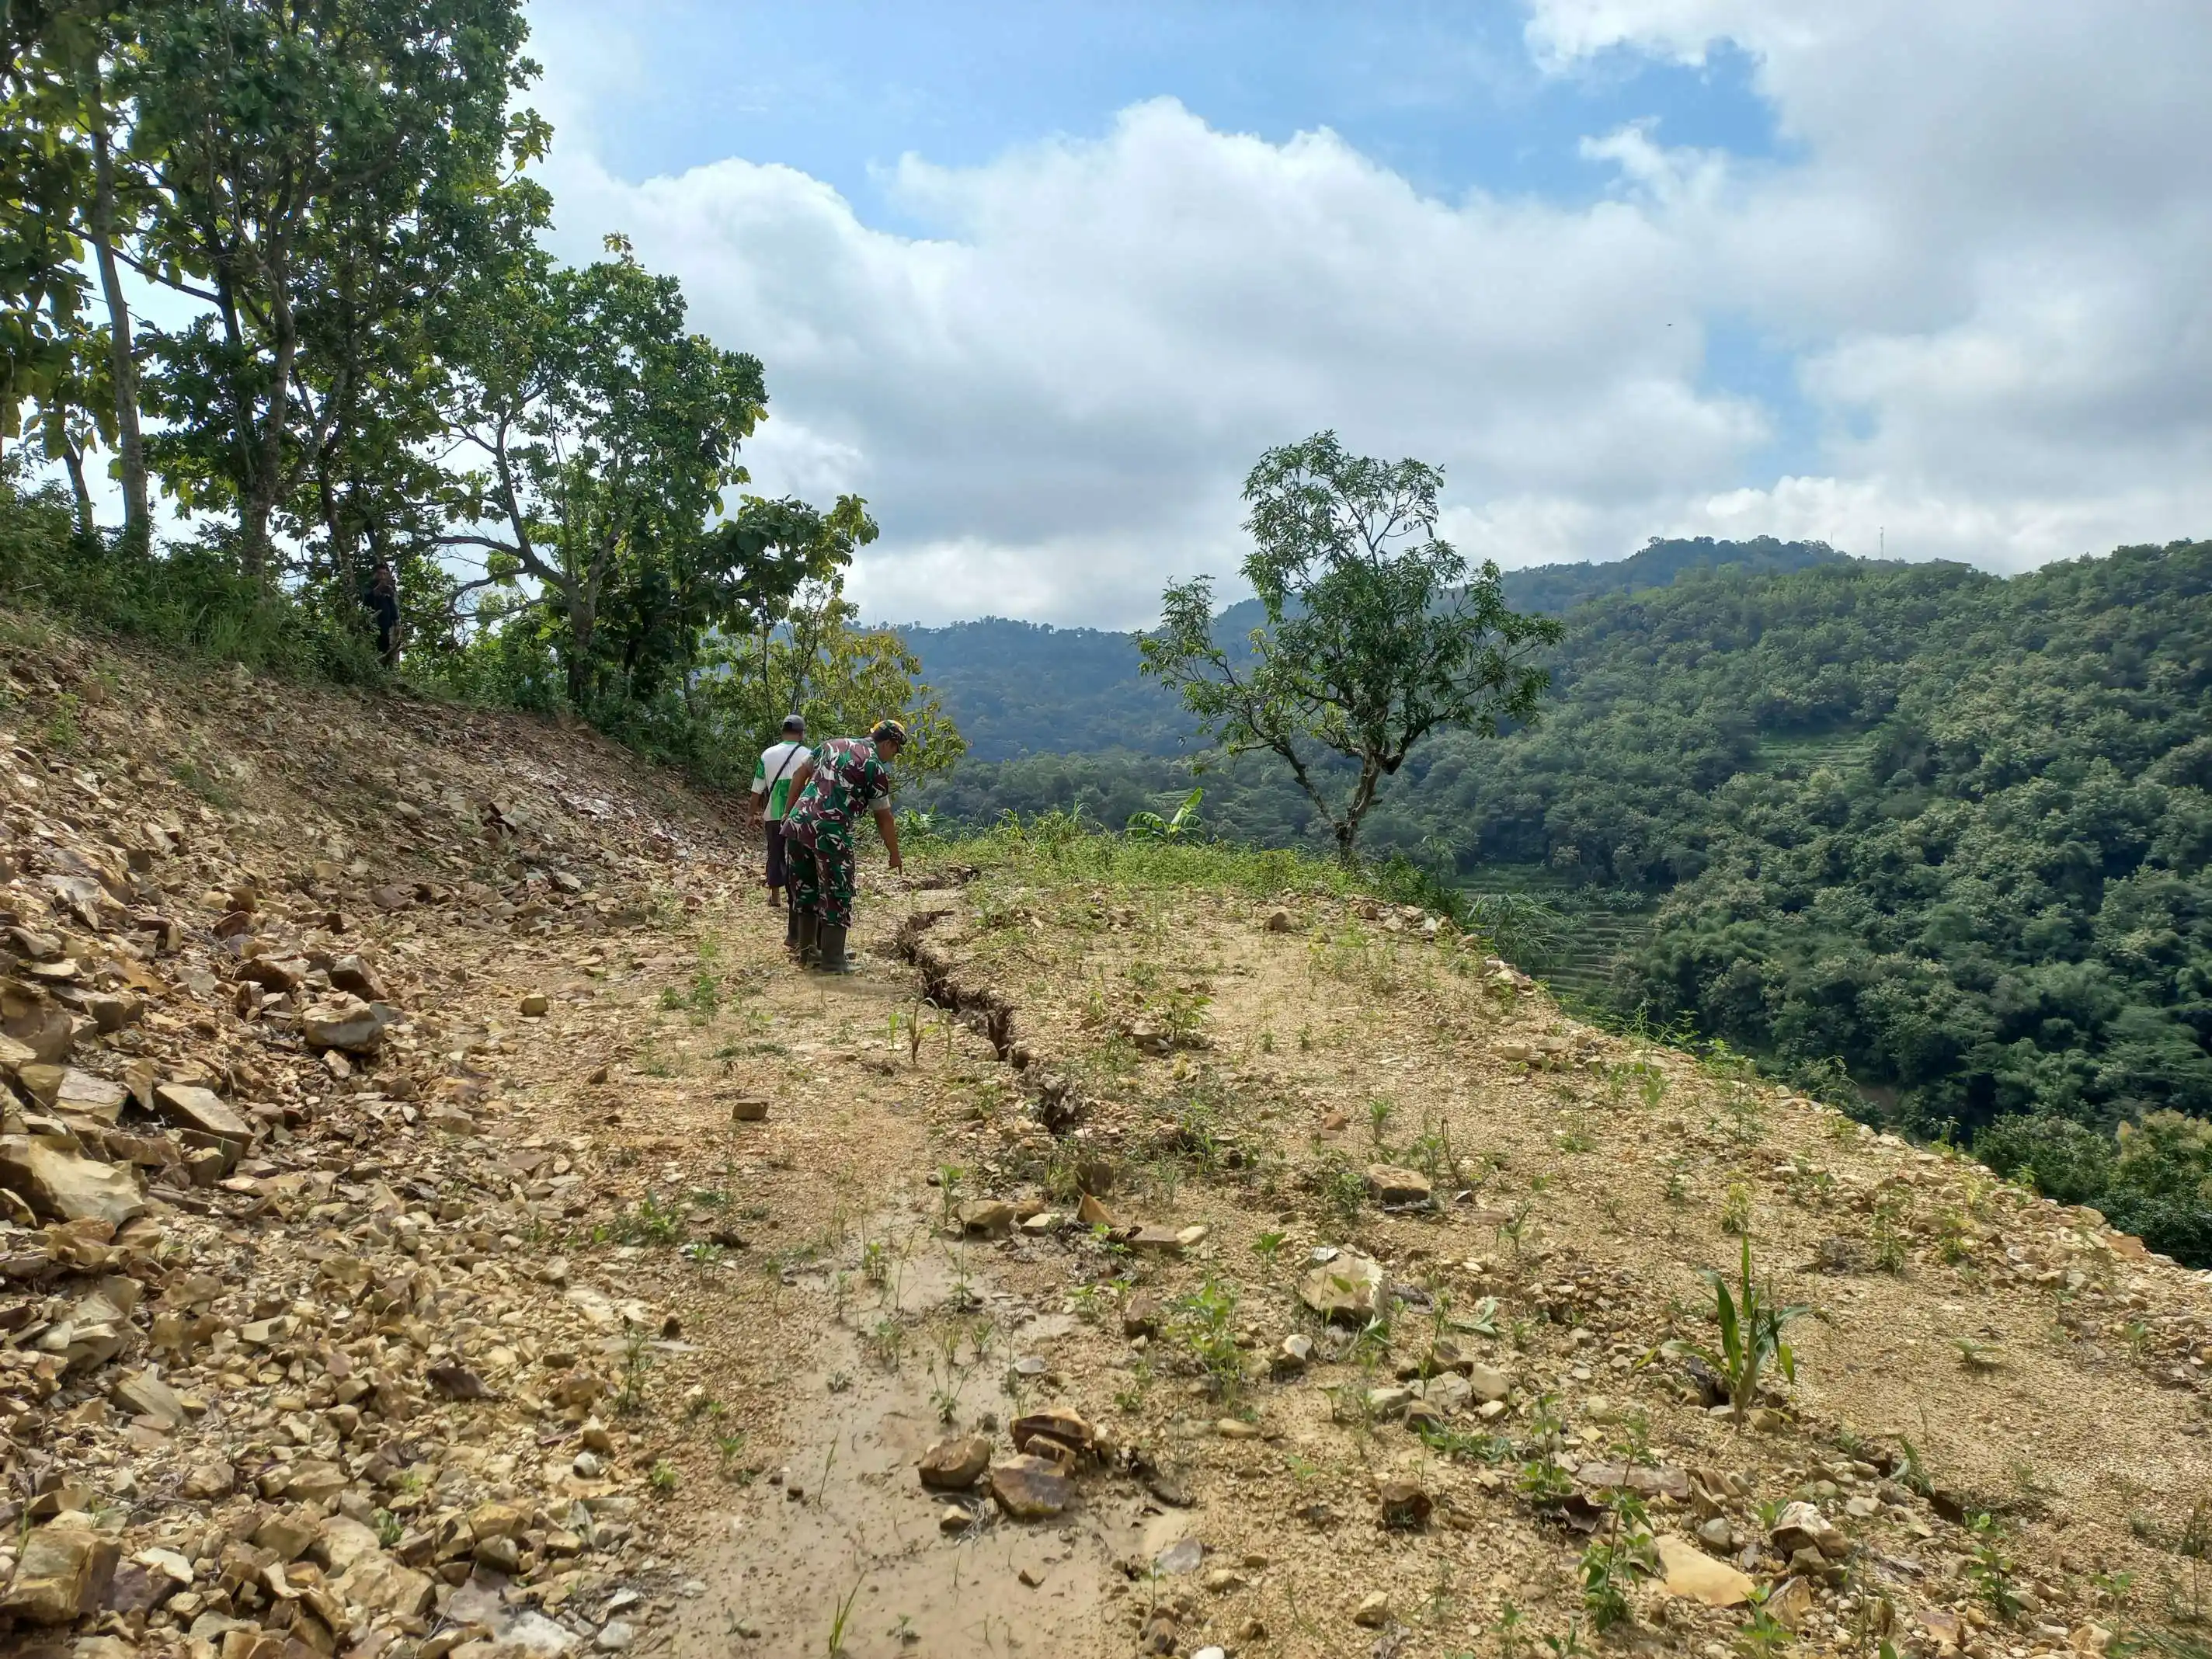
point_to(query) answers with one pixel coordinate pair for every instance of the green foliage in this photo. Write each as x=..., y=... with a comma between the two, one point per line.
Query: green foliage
x=1543, y=1479
x=1185, y=821
x=1763, y=1635
x=607, y=432
x=361, y=152
x=188, y=596
x=1371, y=641
x=2154, y=1179
x=1752, y=1326
x=1989, y=1569
x=1919, y=828
x=381, y=363
x=1039, y=702
x=1202, y=1324
x=1610, y=1564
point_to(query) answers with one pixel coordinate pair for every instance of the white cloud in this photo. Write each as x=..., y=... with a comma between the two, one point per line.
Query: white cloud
x=1988, y=258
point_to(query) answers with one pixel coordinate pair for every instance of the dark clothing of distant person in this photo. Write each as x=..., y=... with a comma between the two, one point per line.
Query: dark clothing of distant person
x=383, y=598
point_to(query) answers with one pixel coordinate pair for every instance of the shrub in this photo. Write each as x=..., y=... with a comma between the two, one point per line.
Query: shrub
x=2154, y=1179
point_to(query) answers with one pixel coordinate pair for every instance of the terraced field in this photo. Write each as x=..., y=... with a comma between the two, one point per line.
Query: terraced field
x=1570, y=945
x=1840, y=751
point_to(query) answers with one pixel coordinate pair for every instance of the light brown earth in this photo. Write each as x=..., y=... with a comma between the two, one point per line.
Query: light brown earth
x=711, y=1350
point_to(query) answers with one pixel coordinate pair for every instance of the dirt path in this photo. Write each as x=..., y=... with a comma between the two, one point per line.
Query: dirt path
x=592, y=1280
x=1579, y=1183
x=853, y=1334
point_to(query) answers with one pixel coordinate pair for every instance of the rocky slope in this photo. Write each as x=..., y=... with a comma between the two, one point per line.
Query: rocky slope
x=282, y=1353
x=441, y=1224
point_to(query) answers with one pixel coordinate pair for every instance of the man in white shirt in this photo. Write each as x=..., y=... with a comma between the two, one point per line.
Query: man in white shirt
x=772, y=793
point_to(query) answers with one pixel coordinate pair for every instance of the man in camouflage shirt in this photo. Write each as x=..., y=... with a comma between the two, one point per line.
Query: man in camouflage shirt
x=845, y=777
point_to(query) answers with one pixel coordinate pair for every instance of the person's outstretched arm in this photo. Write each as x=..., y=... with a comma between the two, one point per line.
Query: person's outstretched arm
x=887, y=827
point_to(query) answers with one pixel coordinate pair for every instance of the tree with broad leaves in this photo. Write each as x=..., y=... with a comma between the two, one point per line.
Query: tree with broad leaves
x=1375, y=636
x=605, y=432
x=313, y=172
x=43, y=186
x=786, y=566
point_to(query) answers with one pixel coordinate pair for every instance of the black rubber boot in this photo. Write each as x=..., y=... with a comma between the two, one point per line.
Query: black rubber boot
x=803, y=937
x=832, y=958
x=791, y=931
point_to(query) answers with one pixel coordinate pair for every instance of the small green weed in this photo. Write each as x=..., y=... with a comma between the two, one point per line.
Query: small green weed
x=1989, y=1569
x=1752, y=1326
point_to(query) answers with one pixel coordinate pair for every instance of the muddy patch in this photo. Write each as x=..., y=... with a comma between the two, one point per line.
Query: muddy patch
x=841, y=1549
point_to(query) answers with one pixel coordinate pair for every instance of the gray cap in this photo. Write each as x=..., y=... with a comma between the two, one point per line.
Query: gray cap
x=794, y=722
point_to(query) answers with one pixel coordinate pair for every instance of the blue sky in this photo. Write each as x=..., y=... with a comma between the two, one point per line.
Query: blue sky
x=1042, y=280
x=1445, y=95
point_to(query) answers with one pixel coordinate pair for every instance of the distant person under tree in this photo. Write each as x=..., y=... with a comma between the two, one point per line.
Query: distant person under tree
x=774, y=776
x=382, y=596
x=847, y=776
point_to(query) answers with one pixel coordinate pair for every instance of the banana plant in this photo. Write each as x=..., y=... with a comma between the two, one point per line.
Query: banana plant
x=1184, y=823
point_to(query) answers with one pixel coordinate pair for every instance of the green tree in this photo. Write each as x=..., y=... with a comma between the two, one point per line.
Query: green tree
x=301, y=160
x=43, y=187
x=607, y=434
x=1374, y=635
x=849, y=678
x=784, y=562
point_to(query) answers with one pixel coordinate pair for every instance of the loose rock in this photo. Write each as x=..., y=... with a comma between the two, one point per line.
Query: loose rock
x=956, y=1464
x=1031, y=1489
x=1347, y=1289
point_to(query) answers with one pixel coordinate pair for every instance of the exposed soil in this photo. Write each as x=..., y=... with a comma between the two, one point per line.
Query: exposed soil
x=538, y=1315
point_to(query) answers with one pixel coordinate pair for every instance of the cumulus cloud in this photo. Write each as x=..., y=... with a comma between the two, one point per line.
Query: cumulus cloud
x=1984, y=257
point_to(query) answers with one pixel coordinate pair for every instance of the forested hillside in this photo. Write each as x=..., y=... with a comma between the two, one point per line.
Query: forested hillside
x=1020, y=688
x=1947, y=828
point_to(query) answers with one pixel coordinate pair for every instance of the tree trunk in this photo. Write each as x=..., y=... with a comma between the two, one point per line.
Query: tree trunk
x=123, y=363
x=72, y=458
x=583, y=621
x=266, y=476
x=1355, y=812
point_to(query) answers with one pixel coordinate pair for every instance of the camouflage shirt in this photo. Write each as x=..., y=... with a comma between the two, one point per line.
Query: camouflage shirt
x=849, y=778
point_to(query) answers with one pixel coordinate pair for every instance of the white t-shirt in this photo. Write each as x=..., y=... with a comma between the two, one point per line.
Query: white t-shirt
x=772, y=775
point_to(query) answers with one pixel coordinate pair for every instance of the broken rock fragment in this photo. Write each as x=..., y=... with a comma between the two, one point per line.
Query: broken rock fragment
x=62, y=1185
x=80, y=1094
x=145, y=1394
x=1397, y=1188
x=956, y=1464
x=1058, y=1434
x=1803, y=1527
x=1031, y=1488
x=1348, y=1288
x=1689, y=1572
x=63, y=1574
x=343, y=1022
x=194, y=1108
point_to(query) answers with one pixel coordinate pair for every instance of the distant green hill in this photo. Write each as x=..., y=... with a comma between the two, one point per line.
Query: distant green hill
x=1017, y=688
x=1556, y=588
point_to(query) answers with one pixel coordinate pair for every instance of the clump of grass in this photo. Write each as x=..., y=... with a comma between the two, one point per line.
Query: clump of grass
x=1752, y=1333
x=1203, y=1325
x=205, y=784
x=1890, y=1254
x=1735, y=1210
x=647, y=1222
x=1341, y=1190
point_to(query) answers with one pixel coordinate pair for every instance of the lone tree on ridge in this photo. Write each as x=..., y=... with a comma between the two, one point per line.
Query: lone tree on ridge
x=1376, y=636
